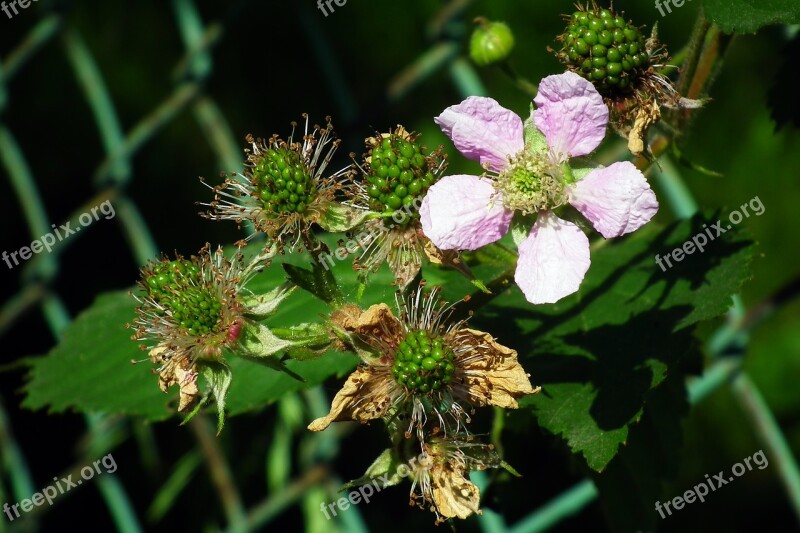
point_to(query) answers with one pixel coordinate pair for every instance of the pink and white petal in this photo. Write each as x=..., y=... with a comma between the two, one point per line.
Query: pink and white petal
x=483, y=131
x=616, y=199
x=571, y=114
x=463, y=212
x=552, y=260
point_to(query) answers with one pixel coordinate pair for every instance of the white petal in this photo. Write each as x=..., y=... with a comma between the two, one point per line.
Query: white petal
x=483, y=131
x=552, y=260
x=571, y=114
x=616, y=199
x=463, y=212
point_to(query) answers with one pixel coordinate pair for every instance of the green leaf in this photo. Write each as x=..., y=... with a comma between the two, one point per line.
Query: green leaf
x=598, y=353
x=90, y=369
x=748, y=16
x=649, y=459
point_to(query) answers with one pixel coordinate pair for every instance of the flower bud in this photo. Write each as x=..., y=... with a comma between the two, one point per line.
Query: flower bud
x=491, y=42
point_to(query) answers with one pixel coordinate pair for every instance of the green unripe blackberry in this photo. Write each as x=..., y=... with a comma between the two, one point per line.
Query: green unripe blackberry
x=282, y=182
x=177, y=286
x=398, y=173
x=423, y=363
x=602, y=47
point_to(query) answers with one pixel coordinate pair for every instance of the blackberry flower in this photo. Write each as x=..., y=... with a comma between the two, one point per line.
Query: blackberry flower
x=425, y=371
x=529, y=173
x=397, y=171
x=284, y=189
x=191, y=310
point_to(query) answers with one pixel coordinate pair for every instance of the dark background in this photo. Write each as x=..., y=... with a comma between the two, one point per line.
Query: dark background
x=276, y=60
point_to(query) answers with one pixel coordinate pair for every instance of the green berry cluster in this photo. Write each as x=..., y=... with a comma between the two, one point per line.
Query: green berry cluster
x=177, y=287
x=282, y=182
x=398, y=173
x=605, y=49
x=423, y=363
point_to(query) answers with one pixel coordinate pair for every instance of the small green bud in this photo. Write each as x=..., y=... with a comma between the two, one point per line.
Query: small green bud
x=491, y=42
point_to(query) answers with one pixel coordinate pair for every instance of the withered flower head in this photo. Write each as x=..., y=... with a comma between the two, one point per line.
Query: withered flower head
x=442, y=484
x=190, y=309
x=283, y=189
x=396, y=173
x=424, y=369
x=625, y=66
x=191, y=305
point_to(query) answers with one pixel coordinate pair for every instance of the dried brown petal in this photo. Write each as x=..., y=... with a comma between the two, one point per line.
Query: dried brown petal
x=365, y=396
x=453, y=494
x=177, y=368
x=492, y=373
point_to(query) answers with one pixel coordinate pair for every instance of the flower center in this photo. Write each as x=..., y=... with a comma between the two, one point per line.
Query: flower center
x=529, y=184
x=177, y=287
x=282, y=182
x=423, y=363
x=398, y=174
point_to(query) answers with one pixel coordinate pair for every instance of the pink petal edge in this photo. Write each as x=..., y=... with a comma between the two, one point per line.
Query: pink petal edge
x=616, y=199
x=483, y=131
x=571, y=114
x=463, y=212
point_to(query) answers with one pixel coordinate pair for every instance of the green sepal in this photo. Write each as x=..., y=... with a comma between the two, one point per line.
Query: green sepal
x=261, y=306
x=481, y=456
x=320, y=282
x=337, y=218
x=257, y=341
x=308, y=341
x=218, y=377
x=363, y=350
x=510, y=469
x=521, y=227
x=493, y=254
x=406, y=265
x=570, y=214
x=535, y=141
x=384, y=464
x=259, y=344
x=581, y=167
